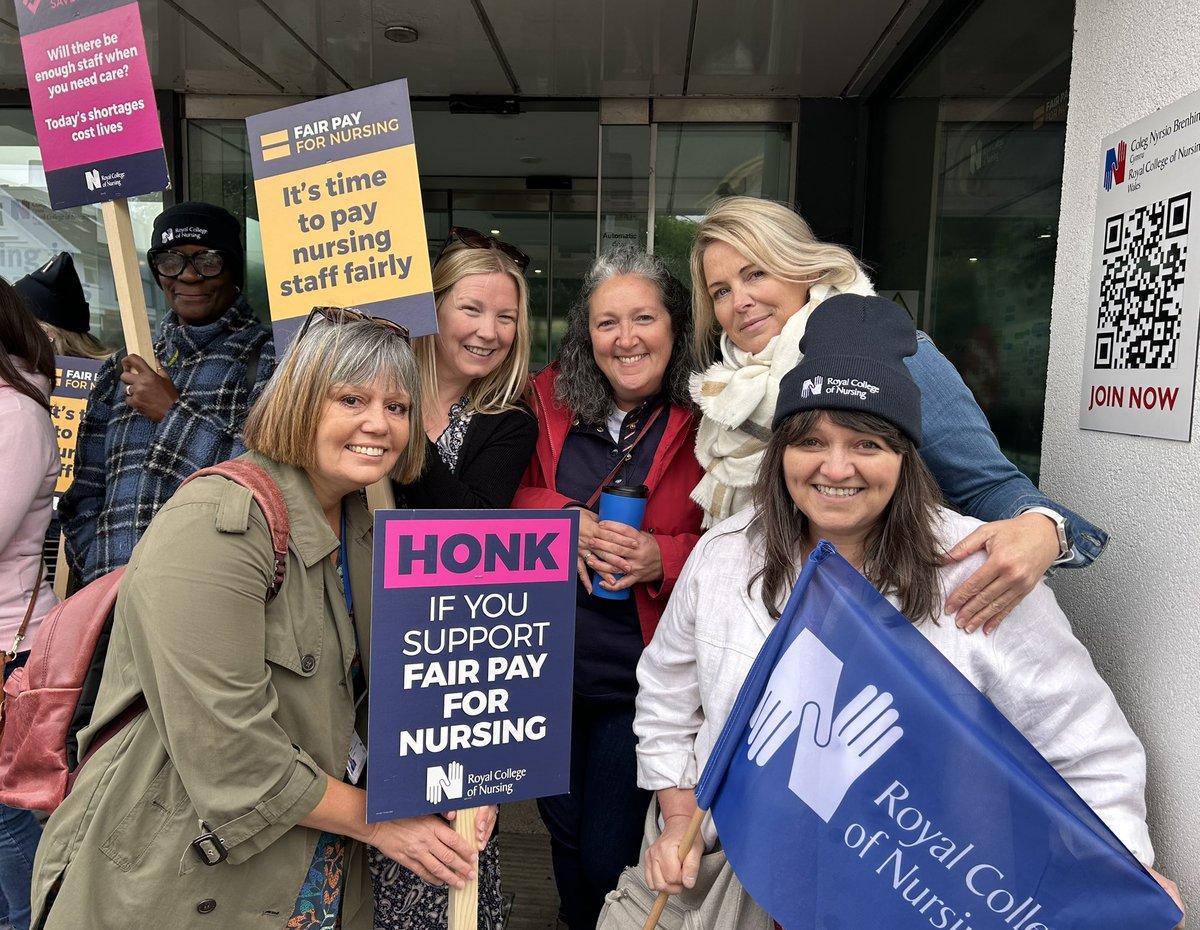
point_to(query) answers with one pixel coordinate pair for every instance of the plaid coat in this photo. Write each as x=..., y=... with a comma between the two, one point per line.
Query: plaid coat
x=127, y=466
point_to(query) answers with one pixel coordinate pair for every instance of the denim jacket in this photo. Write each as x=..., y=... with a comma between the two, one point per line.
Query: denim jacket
x=966, y=460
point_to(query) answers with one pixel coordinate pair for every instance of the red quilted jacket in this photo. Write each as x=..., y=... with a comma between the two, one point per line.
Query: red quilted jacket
x=671, y=515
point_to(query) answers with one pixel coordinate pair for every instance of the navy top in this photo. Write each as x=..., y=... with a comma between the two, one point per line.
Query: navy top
x=608, y=636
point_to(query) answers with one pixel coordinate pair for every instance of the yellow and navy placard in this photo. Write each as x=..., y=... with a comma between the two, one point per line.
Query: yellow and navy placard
x=339, y=200
x=73, y=382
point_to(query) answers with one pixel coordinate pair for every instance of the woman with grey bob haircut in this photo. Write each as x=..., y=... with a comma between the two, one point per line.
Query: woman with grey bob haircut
x=241, y=752
x=614, y=410
x=284, y=421
x=583, y=387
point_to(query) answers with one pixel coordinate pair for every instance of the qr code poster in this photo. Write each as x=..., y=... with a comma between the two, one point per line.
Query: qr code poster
x=1139, y=368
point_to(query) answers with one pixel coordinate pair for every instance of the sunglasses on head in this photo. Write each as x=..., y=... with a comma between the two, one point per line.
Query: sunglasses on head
x=170, y=264
x=348, y=315
x=474, y=239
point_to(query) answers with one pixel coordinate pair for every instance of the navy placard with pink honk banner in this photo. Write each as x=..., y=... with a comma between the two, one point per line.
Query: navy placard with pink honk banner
x=472, y=652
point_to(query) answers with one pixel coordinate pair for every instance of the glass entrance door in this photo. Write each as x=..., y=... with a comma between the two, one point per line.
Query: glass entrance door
x=529, y=179
x=556, y=229
x=558, y=181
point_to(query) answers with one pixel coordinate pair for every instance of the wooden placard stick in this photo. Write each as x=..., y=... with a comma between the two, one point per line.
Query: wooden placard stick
x=122, y=250
x=380, y=496
x=685, y=847
x=463, y=913
x=61, y=569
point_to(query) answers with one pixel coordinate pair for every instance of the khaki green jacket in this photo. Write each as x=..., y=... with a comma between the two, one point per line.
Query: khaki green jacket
x=248, y=708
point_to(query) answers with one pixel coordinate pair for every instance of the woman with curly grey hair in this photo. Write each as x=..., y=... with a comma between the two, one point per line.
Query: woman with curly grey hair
x=614, y=410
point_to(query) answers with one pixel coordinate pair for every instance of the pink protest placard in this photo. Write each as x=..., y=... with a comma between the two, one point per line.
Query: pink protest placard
x=93, y=100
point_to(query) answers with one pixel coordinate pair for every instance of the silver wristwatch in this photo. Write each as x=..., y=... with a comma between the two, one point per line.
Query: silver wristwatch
x=1065, y=553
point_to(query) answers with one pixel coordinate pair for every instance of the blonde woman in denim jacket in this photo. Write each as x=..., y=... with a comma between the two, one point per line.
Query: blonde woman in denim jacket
x=758, y=272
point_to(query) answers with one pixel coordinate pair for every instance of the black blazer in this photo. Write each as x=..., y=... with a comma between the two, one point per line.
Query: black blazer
x=494, y=454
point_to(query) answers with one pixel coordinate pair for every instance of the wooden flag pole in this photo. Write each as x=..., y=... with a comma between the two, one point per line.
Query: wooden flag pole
x=122, y=250
x=463, y=913
x=684, y=848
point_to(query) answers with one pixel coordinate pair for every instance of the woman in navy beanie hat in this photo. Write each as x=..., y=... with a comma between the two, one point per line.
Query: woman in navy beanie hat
x=842, y=465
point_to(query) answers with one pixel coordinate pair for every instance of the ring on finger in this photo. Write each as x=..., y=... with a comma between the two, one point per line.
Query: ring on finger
x=128, y=389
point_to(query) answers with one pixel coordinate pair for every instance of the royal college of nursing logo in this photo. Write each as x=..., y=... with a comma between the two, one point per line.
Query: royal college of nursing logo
x=812, y=386
x=443, y=781
x=1114, y=166
x=833, y=747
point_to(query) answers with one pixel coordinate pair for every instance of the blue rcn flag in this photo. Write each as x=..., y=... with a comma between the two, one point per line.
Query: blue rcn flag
x=862, y=781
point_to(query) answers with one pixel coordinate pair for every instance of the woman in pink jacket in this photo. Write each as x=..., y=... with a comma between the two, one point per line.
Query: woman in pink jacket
x=29, y=464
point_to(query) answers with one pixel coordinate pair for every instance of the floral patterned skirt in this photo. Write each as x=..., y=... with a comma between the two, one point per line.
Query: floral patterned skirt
x=405, y=902
x=319, y=904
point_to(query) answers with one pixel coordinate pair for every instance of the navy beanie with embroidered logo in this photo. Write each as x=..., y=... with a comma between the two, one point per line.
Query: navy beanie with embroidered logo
x=205, y=224
x=55, y=294
x=853, y=350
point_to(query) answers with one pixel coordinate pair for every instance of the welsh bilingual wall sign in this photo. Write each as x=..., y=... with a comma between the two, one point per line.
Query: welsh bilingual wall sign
x=339, y=200
x=92, y=99
x=1139, y=364
x=472, y=653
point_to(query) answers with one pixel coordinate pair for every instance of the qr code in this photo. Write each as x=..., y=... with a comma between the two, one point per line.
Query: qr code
x=1141, y=288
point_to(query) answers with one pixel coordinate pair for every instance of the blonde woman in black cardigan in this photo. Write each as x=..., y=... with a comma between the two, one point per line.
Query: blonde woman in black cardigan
x=480, y=438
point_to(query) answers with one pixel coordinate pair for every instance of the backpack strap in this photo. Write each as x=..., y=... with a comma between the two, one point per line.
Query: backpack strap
x=269, y=498
x=252, y=362
x=274, y=508
x=12, y=653
x=111, y=729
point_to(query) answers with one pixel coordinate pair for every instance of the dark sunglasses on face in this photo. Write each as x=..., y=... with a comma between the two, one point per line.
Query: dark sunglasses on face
x=170, y=264
x=474, y=239
x=348, y=315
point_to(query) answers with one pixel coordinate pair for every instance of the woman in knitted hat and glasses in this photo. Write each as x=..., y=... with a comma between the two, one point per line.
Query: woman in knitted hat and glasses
x=152, y=422
x=842, y=464
x=757, y=274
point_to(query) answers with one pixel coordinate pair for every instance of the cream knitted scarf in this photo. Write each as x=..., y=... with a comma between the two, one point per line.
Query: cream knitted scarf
x=737, y=397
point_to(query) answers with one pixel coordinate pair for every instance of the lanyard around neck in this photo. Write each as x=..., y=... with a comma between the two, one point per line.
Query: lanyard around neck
x=591, y=503
x=346, y=570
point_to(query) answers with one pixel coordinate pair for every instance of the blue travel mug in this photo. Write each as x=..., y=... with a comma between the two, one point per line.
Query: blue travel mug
x=620, y=504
